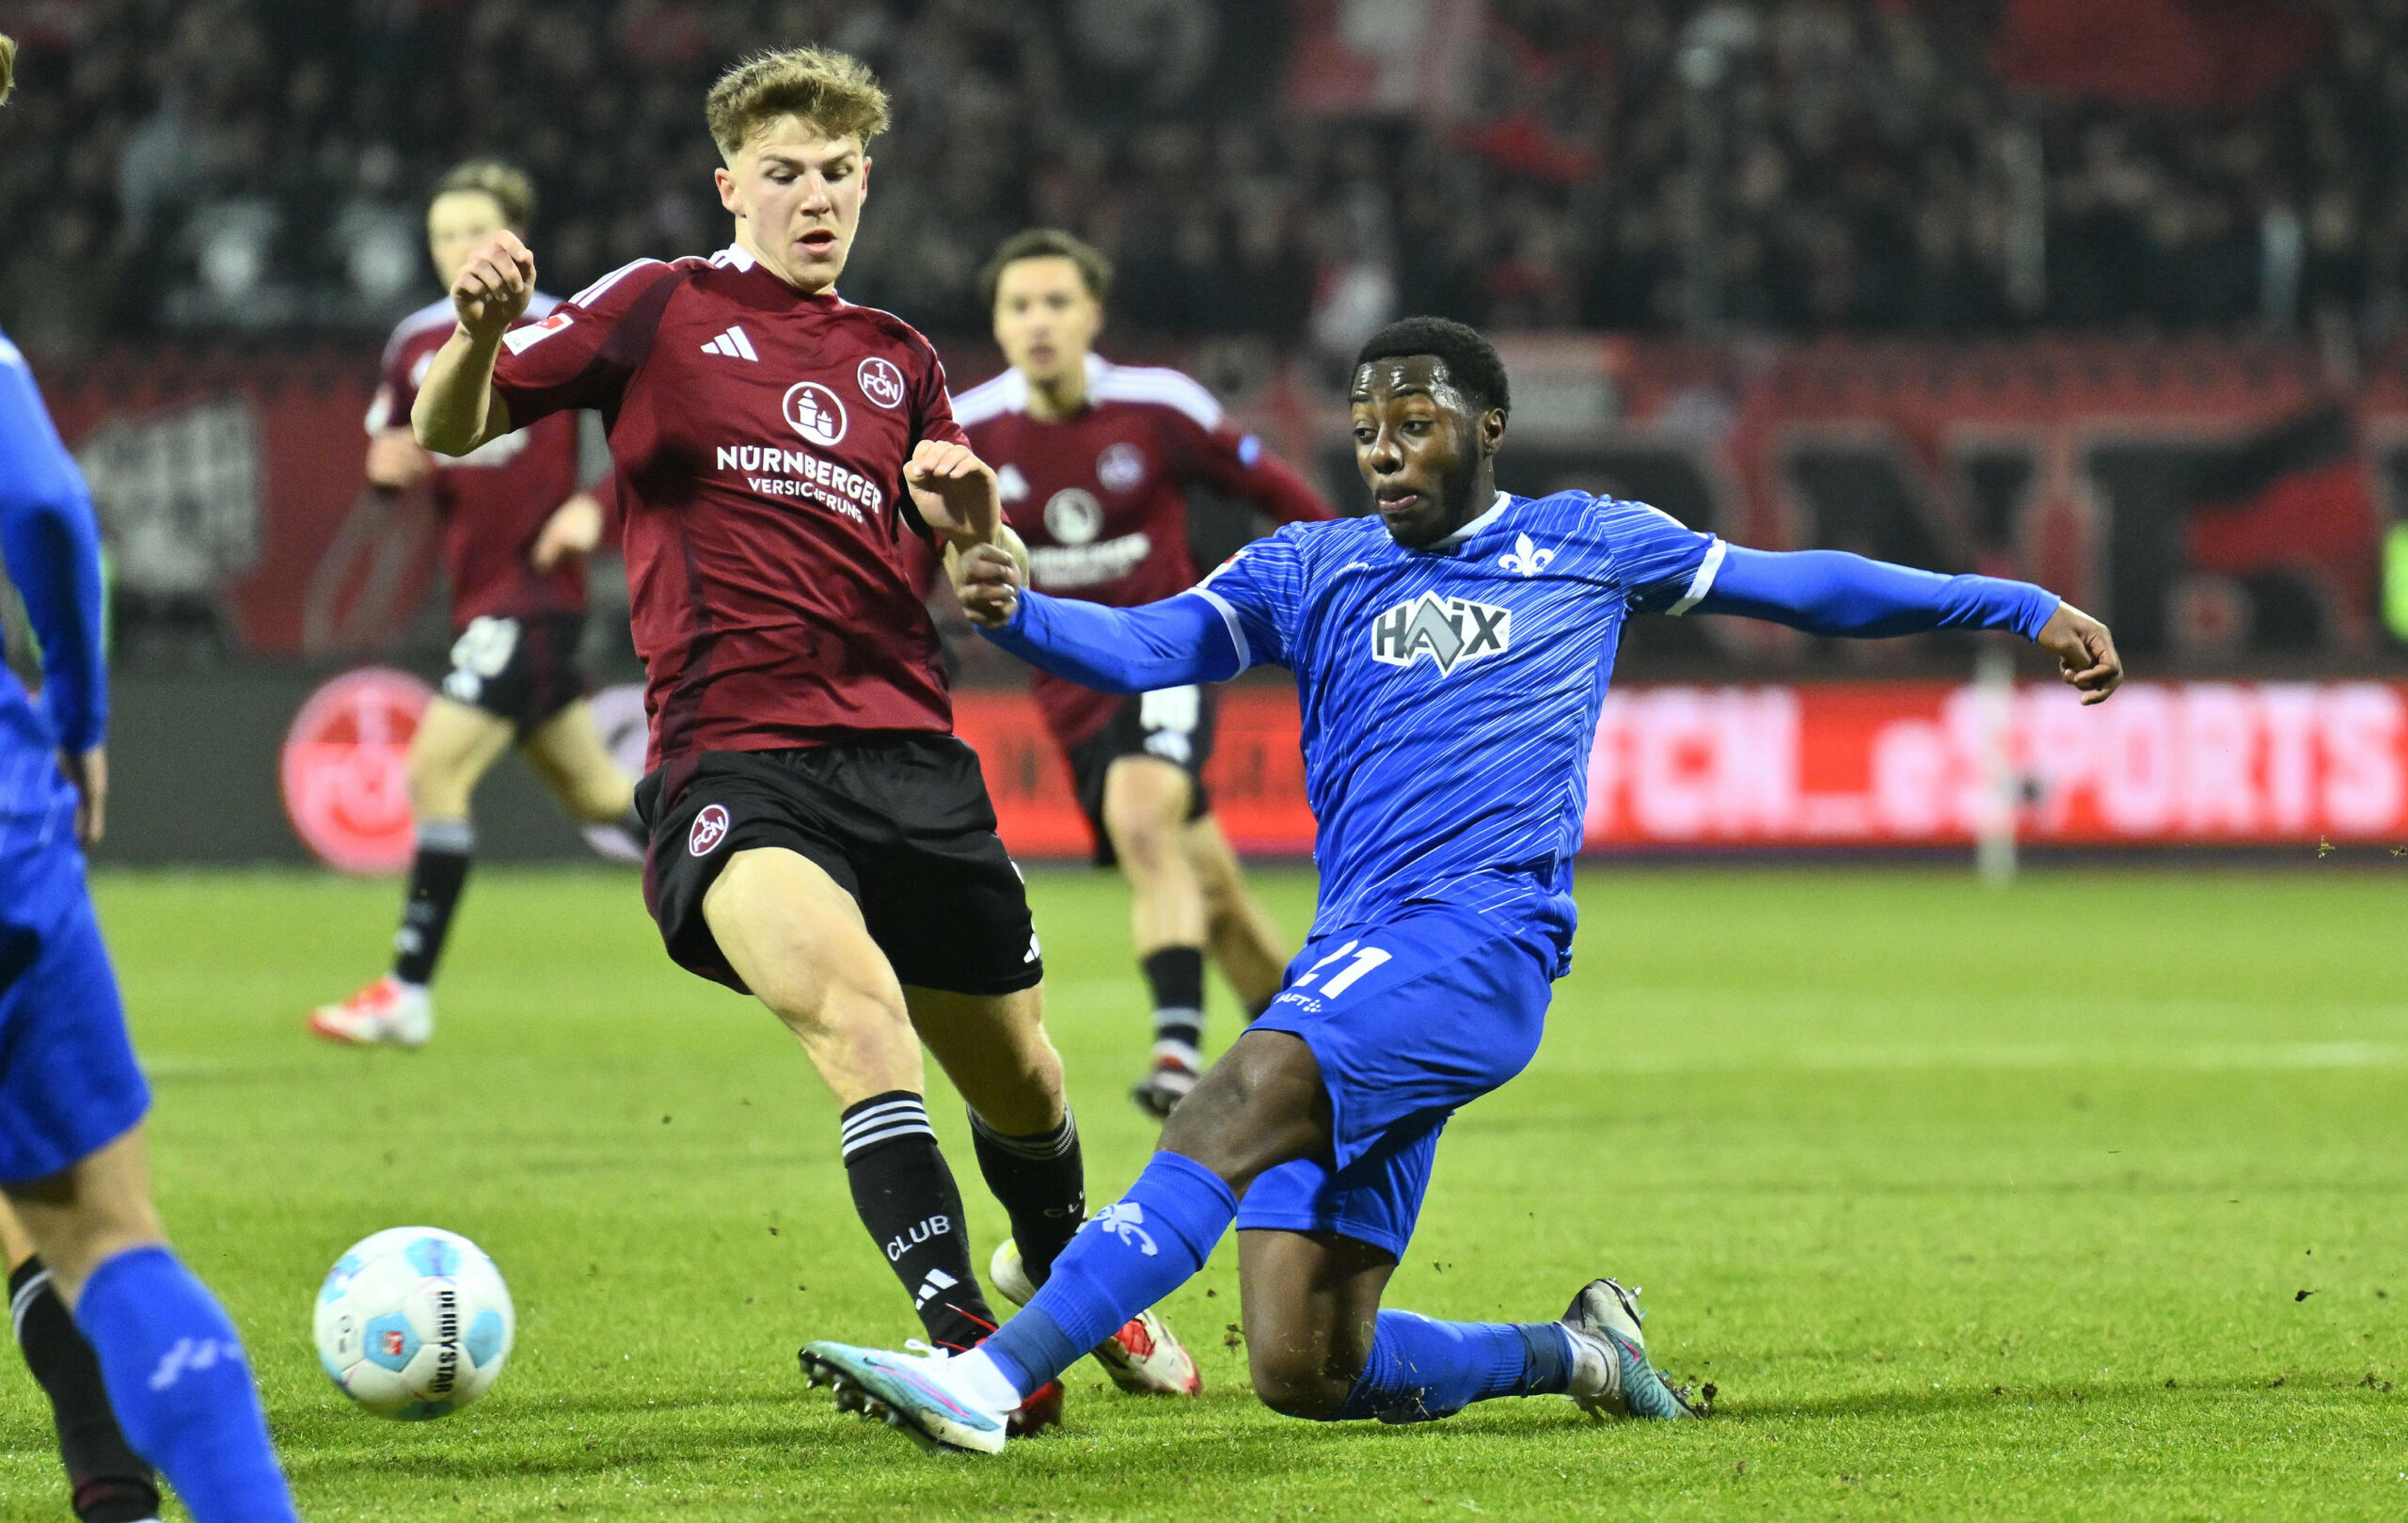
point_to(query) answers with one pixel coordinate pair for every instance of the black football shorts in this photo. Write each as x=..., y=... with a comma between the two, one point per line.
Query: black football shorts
x=521, y=671
x=901, y=822
x=1174, y=724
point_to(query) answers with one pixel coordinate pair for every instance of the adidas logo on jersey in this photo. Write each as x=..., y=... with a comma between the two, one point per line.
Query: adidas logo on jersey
x=1449, y=630
x=734, y=344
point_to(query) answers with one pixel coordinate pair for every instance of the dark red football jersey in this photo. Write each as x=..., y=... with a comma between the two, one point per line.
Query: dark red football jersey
x=1100, y=497
x=757, y=443
x=492, y=503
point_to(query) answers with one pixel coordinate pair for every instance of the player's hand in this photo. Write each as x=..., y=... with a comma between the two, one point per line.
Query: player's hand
x=88, y=772
x=394, y=459
x=492, y=290
x=955, y=492
x=573, y=529
x=2085, y=652
x=987, y=580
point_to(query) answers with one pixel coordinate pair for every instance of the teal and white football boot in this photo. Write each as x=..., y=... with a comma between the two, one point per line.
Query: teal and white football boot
x=910, y=1393
x=1610, y=1376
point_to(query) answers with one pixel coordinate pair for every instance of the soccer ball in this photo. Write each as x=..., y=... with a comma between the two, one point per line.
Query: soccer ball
x=414, y=1323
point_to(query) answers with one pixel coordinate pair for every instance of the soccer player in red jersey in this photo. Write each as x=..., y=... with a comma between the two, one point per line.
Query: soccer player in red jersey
x=1094, y=459
x=818, y=836
x=515, y=530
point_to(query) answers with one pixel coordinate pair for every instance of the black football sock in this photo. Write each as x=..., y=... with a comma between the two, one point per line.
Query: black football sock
x=907, y=1198
x=1042, y=1180
x=111, y=1484
x=1176, y=975
x=437, y=874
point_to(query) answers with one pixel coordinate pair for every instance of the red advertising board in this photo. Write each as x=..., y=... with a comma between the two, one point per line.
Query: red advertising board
x=1850, y=763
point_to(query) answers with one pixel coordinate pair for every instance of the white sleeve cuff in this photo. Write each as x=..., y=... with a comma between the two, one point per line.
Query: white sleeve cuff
x=1703, y=582
x=1230, y=618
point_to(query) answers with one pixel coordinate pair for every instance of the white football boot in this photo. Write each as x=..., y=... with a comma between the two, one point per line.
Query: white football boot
x=1143, y=1359
x=387, y=1010
x=916, y=1394
x=1610, y=1376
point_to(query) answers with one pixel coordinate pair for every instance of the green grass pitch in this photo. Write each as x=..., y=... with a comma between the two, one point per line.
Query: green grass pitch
x=1970, y=1204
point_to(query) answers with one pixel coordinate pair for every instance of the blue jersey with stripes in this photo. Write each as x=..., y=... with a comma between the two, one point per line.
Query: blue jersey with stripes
x=1450, y=695
x=52, y=548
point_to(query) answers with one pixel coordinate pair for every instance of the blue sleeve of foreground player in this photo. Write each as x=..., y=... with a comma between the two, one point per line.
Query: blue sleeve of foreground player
x=1833, y=593
x=1172, y=644
x=53, y=555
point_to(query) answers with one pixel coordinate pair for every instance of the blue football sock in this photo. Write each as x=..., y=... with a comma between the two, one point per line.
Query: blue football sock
x=1128, y=1255
x=183, y=1393
x=1420, y=1369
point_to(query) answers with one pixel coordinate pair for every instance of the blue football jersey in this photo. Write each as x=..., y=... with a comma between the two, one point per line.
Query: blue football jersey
x=1450, y=695
x=53, y=555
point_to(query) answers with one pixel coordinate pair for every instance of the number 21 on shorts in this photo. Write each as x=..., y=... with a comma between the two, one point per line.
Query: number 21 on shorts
x=1364, y=959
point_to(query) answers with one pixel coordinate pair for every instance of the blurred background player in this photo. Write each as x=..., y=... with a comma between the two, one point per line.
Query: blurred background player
x=515, y=531
x=1094, y=460
x=71, y=1098
x=818, y=835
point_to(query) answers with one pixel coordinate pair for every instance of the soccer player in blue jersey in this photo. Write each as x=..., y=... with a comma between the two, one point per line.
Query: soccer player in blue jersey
x=1451, y=653
x=72, y=1098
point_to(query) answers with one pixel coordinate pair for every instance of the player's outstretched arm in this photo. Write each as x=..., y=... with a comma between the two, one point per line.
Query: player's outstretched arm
x=1833, y=593
x=1172, y=644
x=456, y=410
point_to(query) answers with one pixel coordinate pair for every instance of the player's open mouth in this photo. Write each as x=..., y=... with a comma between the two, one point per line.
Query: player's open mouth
x=819, y=241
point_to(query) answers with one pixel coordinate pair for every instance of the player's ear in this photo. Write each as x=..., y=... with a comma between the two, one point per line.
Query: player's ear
x=1492, y=430
x=725, y=180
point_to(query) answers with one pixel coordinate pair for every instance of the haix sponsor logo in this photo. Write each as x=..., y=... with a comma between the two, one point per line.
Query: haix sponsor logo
x=1086, y=565
x=799, y=473
x=1449, y=630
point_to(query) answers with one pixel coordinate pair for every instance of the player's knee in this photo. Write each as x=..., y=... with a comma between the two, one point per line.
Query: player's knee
x=834, y=1007
x=1146, y=845
x=1298, y=1385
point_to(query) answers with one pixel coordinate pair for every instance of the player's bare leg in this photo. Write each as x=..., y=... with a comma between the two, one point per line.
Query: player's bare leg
x=1312, y=1311
x=1145, y=801
x=89, y=1211
x=108, y=1482
x=147, y=1318
x=997, y=1054
x=566, y=753
x=456, y=744
x=798, y=940
x=1246, y=945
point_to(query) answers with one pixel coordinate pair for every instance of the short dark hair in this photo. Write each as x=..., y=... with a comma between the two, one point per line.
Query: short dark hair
x=1471, y=361
x=1095, y=271
x=507, y=185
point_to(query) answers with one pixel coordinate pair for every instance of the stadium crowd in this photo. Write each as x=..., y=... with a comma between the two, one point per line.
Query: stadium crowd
x=259, y=162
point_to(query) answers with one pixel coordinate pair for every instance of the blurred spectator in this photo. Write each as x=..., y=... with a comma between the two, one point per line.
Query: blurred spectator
x=207, y=162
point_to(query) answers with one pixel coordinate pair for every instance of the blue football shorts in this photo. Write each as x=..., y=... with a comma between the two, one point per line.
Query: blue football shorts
x=1409, y=1018
x=69, y=1083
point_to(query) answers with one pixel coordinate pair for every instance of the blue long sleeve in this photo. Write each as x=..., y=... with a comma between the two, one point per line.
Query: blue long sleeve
x=1172, y=644
x=1833, y=593
x=52, y=550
